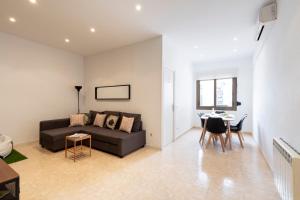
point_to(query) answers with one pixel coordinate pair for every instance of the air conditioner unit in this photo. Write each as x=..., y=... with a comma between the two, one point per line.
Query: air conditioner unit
x=267, y=14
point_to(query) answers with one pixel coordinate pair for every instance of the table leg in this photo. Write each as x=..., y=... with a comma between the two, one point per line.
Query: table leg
x=74, y=150
x=229, y=134
x=90, y=146
x=17, y=192
x=204, y=132
x=66, y=146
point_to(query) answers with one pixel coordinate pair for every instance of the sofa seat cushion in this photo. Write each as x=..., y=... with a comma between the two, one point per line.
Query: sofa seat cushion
x=61, y=133
x=106, y=135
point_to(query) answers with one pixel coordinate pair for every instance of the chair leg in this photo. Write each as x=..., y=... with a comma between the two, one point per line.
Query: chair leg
x=240, y=138
x=209, y=140
x=226, y=139
x=203, y=138
x=216, y=138
x=222, y=142
x=242, y=135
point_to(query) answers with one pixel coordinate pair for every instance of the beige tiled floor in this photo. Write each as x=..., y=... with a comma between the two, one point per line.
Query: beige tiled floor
x=181, y=171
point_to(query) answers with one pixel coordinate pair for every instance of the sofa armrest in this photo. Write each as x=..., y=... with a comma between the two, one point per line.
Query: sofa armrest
x=53, y=124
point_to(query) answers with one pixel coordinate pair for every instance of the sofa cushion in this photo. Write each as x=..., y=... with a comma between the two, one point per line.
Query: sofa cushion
x=61, y=133
x=111, y=121
x=126, y=124
x=99, y=120
x=115, y=113
x=77, y=120
x=106, y=135
x=92, y=116
x=137, y=121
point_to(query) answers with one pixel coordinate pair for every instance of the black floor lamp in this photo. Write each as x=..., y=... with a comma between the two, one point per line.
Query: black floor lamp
x=78, y=88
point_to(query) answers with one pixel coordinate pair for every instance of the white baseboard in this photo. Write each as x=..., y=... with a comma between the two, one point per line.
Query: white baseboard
x=183, y=133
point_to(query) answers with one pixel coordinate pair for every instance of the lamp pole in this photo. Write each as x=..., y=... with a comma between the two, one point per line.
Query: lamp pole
x=78, y=88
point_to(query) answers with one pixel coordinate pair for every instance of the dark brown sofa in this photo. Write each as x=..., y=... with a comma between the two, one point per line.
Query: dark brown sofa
x=53, y=133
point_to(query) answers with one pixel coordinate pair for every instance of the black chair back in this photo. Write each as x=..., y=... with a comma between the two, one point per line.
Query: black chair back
x=239, y=126
x=202, y=120
x=216, y=125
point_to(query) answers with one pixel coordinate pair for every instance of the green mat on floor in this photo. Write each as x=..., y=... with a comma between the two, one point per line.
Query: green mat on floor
x=14, y=156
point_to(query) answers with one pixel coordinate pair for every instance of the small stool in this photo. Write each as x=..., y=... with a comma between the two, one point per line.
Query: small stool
x=77, y=150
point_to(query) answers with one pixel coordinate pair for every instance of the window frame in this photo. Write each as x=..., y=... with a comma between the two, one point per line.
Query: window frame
x=234, y=95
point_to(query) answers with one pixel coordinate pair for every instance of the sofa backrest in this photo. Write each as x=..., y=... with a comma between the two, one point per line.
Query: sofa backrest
x=92, y=116
x=53, y=124
x=137, y=124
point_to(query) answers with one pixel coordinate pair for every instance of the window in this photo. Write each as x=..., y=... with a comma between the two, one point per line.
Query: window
x=220, y=94
x=207, y=94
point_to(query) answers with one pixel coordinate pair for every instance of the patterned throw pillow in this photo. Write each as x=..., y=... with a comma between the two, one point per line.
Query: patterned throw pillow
x=126, y=124
x=77, y=120
x=99, y=120
x=111, y=121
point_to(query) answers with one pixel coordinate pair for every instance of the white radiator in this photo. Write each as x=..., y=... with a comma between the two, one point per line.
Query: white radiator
x=286, y=170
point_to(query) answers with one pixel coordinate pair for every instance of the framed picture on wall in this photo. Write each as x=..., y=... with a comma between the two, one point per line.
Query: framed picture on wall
x=113, y=92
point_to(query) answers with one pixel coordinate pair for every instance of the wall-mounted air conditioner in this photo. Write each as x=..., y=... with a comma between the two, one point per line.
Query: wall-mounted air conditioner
x=267, y=14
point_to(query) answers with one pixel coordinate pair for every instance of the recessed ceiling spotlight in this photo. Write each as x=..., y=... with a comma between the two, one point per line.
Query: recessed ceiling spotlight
x=33, y=1
x=196, y=47
x=138, y=7
x=235, y=50
x=67, y=40
x=12, y=19
x=93, y=30
x=235, y=39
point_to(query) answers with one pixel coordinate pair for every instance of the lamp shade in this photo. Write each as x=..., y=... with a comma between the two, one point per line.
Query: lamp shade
x=78, y=87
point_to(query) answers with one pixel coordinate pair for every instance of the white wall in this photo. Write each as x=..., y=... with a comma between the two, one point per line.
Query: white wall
x=139, y=65
x=36, y=83
x=277, y=79
x=177, y=61
x=240, y=68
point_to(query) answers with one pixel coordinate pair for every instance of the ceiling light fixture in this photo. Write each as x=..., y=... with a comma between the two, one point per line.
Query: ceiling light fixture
x=67, y=40
x=13, y=20
x=235, y=39
x=196, y=47
x=93, y=30
x=138, y=7
x=235, y=50
x=33, y=1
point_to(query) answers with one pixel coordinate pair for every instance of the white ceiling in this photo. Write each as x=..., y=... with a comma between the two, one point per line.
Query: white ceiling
x=209, y=24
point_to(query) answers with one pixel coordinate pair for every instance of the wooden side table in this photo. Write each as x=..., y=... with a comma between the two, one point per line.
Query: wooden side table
x=76, y=150
x=10, y=181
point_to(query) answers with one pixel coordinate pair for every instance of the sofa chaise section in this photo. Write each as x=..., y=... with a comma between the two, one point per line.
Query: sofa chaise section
x=115, y=141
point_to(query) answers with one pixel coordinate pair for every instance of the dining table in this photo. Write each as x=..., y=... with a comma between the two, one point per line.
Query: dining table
x=227, y=118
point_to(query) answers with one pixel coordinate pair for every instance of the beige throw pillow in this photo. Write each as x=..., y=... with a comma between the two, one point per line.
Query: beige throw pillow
x=99, y=120
x=126, y=124
x=77, y=120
